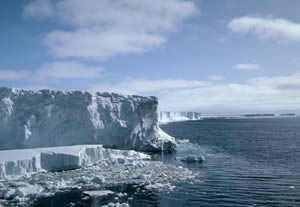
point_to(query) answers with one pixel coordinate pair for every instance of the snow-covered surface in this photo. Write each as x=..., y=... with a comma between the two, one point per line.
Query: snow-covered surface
x=99, y=193
x=21, y=162
x=116, y=205
x=48, y=118
x=167, y=116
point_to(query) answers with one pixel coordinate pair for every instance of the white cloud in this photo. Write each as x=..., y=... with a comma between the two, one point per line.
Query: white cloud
x=140, y=86
x=37, y=87
x=216, y=77
x=13, y=74
x=262, y=94
x=267, y=28
x=101, y=29
x=95, y=44
x=41, y=9
x=247, y=67
x=68, y=70
x=55, y=70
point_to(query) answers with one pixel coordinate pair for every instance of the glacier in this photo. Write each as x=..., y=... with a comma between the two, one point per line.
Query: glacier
x=16, y=163
x=169, y=116
x=49, y=118
x=54, y=141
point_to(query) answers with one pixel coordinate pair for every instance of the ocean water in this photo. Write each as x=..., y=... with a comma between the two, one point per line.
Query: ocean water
x=248, y=162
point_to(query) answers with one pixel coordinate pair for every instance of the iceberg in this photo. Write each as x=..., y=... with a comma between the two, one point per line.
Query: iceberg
x=49, y=118
x=167, y=116
x=192, y=159
x=22, y=162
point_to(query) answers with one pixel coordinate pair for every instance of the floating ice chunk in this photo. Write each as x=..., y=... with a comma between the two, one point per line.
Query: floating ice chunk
x=122, y=194
x=98, y=180
x=160, y=187
x=28, y=189
x=82, y=179
x=22, y=191
x=192, y=159
x=99, y=193
x=156, y=175
x=63, y=158
x=116, y=205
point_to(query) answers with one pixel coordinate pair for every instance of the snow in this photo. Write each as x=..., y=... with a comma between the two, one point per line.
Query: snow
x=116, y=205
x=99, y=193
x=49, y=118
x=21, y=162
x=167, y=116
x=160, y=187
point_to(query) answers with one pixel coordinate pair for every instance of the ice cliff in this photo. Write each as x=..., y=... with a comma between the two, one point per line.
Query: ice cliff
x=167, y=116
x=26, y=161
x=47, y=118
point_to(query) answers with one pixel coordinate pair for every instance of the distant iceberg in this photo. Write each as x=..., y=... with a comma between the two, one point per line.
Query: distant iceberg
x=168, y=116
x=288, y=114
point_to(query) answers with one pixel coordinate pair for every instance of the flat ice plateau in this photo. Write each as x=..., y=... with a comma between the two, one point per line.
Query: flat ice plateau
x=22, y=162
x=48, y=118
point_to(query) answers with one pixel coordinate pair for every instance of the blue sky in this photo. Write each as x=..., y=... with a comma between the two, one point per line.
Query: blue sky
x=213, y=56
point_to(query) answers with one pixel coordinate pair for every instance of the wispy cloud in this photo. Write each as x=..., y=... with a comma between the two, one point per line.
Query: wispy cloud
x=140, y=86
x=101, y=28
x=262, y=94
x=55, y=70
x=41, y=9
x=216, y=77
x=69, y=70
x=267, y=28
x=247, y=67
x=6, y=74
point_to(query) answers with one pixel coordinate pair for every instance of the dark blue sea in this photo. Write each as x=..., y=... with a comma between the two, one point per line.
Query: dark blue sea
x=249, y=162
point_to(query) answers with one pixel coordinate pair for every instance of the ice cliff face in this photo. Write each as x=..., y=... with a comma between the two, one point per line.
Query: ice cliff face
x=167, y=116
x=56, y=118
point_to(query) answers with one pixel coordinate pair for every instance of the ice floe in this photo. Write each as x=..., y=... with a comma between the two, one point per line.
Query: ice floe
x=150, y=175
x=21, y=162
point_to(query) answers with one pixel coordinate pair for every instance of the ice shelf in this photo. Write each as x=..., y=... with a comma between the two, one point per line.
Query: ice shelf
x=49, y=118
